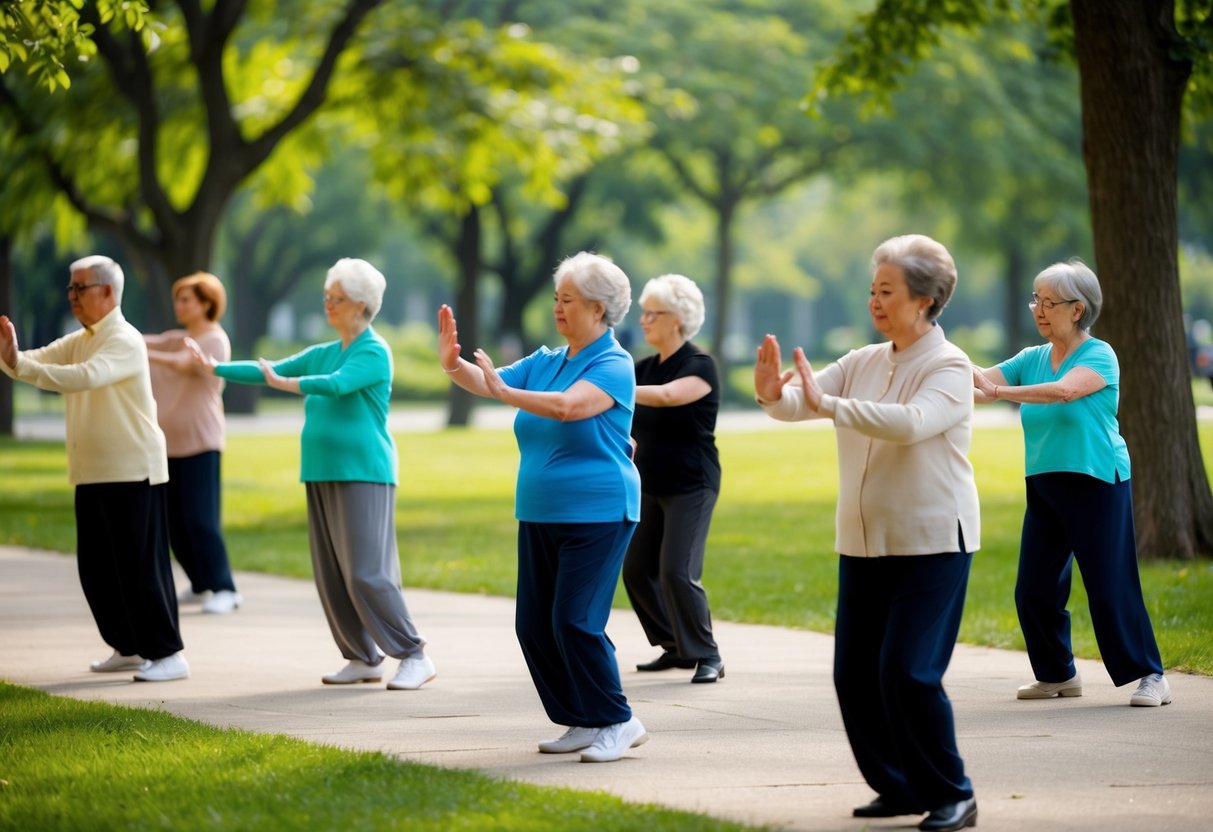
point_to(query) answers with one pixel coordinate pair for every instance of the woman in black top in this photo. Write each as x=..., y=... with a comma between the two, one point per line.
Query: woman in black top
x=677, y=397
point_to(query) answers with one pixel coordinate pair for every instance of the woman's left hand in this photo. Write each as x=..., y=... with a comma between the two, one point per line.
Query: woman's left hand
x=496, y=387
x=288, y=385
x=812, y=391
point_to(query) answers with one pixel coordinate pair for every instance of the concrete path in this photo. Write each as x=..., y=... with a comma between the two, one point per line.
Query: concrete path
x=763, y=746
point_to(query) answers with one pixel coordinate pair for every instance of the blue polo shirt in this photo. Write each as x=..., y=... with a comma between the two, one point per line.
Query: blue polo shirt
x=1082, y=436
x=581, y=471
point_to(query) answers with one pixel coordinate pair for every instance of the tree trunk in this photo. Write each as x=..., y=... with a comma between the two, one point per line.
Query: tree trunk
x=1133, y=83
x=726, y=210
x=1017, y=297
x=467, y=308
x=6, y=304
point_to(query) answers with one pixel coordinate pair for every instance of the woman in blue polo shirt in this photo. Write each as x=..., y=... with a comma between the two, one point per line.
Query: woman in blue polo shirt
x=577, y=500
x=1079, y=498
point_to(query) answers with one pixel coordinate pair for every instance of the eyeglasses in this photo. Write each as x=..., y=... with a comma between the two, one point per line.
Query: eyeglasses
x=75, y=289
x=334, y=300
x=1049, y=305
x=650, y=314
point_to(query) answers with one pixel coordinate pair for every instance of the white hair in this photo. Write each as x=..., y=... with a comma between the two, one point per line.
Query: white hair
x=104, y=270
x=1074, y=280
x=600, y=280
x=679, y=295
x=362, y=282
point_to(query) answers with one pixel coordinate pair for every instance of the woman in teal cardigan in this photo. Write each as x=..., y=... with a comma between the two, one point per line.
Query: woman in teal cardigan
x=349, y=470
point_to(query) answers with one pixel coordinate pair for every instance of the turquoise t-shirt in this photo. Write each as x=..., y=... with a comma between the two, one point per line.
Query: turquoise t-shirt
x=582, y=471
x=1082, y=436
x=345, y=408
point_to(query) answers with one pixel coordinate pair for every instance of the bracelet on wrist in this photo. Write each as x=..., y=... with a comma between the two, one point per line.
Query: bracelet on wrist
x=452, y=372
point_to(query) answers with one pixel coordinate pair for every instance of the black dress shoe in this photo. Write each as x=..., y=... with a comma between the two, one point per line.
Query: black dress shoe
x=709, y=670
x=951, y=817
x=667, y=661
x=882, y=807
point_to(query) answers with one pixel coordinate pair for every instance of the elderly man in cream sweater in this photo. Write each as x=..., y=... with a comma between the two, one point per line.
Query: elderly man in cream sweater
x=116, y=460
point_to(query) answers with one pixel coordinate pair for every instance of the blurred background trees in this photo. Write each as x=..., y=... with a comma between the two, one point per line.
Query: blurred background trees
x=466, y=147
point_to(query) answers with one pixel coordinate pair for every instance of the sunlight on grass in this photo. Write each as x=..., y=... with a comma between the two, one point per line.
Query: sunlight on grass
x=770, y=559
x=85, y=765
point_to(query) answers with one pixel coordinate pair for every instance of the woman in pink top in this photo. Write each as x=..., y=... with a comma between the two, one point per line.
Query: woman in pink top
x=189, y=408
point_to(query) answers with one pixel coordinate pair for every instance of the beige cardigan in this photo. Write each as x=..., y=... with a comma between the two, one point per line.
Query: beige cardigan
x=904, y=425
x=112, y=435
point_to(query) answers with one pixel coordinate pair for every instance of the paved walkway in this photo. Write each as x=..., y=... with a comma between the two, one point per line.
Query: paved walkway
x=764, y=746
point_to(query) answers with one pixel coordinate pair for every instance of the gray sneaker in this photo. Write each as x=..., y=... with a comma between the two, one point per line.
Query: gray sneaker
x=1047, y=690
x=574, y=739
x=1152, y=691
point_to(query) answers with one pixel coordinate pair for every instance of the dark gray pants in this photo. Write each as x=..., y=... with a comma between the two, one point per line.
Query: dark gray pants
x=662, y=573
x=352, y=530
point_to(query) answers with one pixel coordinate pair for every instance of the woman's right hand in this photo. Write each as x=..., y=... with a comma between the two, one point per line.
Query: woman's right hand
x=448, y=339
x=769, y=375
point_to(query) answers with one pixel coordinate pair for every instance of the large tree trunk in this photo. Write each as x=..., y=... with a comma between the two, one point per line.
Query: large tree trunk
x=726, y=210
x=6, y=304
x=467, y=308
x=1132, y=90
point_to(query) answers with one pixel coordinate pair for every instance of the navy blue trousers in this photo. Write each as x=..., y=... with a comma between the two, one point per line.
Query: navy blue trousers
x=1075, y=517
x=567, y=573
x=193, y=521
x=898, y=618
x=122, y=557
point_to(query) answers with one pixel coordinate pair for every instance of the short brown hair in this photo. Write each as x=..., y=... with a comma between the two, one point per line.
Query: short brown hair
x=208, y=289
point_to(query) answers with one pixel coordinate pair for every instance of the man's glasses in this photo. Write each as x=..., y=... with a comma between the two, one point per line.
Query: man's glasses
x=75, y=289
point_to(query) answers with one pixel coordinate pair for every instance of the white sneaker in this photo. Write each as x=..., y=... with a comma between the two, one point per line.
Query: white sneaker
x=573, y=739
x=189, y=597
x=164, y=670
x=1047, y=690
x=414, y=672
x=614, y=740
x=1152, y=691
x=117, y=662
x=355, y=671
x=222, y=602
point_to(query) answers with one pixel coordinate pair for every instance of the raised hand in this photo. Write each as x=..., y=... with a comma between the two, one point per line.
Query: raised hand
x=496, y=387
x=812, y=391
x=448, y=339
x=200, y=359
x=769, y=375
x=8, y=342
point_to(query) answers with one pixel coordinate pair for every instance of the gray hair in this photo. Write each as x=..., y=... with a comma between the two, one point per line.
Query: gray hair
x=679, y=295
x=598, y=280
x=104, y=271
x=929, y=269
x=1074, y=280
x=362, y=282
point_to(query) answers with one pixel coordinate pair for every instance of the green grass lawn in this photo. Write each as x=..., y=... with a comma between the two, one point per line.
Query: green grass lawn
x=770, y=554
x=66, y=764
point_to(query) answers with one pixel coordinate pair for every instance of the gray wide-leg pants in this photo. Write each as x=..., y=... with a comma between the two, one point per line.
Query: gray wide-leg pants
x=352, y=530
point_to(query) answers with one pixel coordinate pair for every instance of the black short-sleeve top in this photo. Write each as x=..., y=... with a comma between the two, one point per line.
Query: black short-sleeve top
x=676, y=446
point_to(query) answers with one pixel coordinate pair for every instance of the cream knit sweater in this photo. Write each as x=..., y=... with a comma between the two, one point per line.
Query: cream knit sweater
x=112, y=435
x=904, y=425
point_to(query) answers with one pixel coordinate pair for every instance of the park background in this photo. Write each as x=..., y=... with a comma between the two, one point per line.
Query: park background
x=465, y=146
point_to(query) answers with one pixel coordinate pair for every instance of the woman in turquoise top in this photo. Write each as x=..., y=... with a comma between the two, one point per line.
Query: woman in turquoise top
x=577, y=500
x=1079, y=497
x=349, y=470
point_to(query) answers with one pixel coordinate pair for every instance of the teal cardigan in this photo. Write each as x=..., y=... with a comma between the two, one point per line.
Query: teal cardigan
x=346, y=397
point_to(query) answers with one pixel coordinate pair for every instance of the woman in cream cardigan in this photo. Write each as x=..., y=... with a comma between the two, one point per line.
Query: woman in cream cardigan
x=907, y=525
